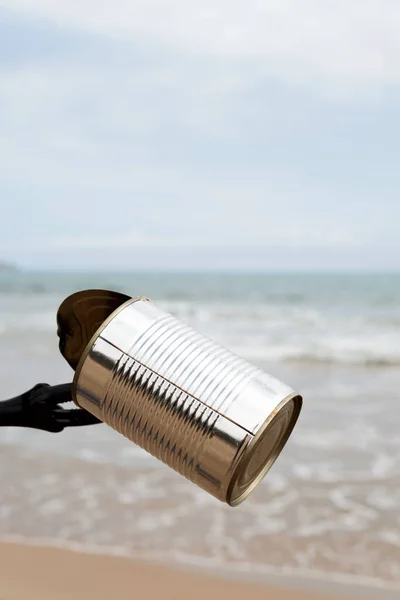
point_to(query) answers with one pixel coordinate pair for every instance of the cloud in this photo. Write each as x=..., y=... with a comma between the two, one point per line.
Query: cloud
x=216, y=124
x=130, y=239
x=330, y=46
x=280, y=235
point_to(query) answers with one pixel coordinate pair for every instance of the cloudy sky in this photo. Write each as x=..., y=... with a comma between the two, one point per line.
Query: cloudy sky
x=150, y=133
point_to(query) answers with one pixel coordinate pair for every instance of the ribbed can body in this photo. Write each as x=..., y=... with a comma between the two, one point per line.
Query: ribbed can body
x=208, y=414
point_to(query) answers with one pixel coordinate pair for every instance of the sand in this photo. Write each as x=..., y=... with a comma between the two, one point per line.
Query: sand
x=37, y=573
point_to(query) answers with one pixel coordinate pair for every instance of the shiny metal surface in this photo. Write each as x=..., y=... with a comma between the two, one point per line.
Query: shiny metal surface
x=207, y=413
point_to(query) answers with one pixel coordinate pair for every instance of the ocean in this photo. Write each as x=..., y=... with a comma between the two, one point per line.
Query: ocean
x=330, y=506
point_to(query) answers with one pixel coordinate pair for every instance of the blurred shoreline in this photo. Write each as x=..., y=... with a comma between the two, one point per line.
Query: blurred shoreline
x=90, y=570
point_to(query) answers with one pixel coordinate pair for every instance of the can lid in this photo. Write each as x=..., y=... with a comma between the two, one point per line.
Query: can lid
x=264, y=449
x=80, y=316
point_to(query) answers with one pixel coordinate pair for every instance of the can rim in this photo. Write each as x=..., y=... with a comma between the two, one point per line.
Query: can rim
x=252, y=446
x=95, y=336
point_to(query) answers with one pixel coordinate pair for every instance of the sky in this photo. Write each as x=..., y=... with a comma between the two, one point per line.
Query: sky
x=218, y=134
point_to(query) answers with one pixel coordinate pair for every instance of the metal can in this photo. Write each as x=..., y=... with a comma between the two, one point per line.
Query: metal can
x=207, y=413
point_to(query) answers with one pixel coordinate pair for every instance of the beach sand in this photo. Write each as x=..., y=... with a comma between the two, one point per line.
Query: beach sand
x=40, y=573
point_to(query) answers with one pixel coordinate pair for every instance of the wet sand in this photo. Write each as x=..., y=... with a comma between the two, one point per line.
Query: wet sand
x=40, y=573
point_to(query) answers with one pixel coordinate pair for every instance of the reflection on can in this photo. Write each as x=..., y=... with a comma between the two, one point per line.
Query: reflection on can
x=210, y=415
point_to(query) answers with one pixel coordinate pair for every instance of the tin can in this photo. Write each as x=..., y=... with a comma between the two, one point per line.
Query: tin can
x=207, y=413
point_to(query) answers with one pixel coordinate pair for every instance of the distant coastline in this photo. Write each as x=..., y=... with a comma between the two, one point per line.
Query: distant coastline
x=7, y=267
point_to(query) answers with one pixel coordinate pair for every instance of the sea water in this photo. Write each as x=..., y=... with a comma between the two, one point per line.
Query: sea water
x=330, y=505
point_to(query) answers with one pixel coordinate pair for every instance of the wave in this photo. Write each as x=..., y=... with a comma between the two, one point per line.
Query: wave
x=262, y=347
x=363, y=361
x=293, y=331
x=19, y=324
x=321, y=354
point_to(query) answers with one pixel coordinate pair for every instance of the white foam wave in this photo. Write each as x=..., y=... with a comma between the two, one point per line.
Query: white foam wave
x=259, y=332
